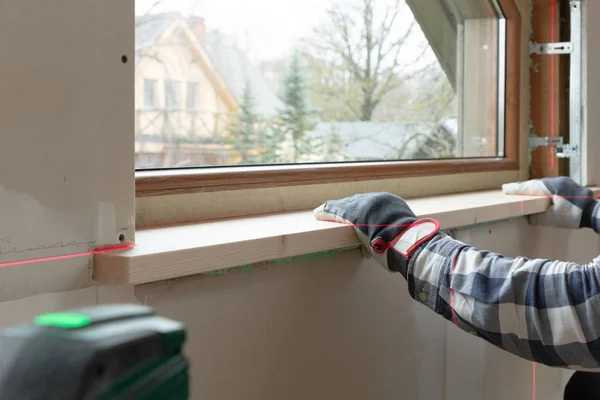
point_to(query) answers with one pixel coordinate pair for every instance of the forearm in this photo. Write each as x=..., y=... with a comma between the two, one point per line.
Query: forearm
x=540, y=310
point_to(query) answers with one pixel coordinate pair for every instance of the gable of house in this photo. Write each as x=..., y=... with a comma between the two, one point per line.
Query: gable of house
x=237, y=72
x=167, y=50
x=232, y=66
x=148, y=30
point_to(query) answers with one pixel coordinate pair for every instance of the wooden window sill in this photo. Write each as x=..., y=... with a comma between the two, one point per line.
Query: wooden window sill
x=183, y=250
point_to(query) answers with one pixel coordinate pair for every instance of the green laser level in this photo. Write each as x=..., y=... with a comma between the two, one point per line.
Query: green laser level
x=107, y=352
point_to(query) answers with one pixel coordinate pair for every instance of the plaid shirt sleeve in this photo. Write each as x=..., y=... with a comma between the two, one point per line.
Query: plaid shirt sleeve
x=540, y=310
x=595, y=217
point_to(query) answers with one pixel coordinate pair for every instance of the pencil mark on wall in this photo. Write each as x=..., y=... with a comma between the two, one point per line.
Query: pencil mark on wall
x=15, y=250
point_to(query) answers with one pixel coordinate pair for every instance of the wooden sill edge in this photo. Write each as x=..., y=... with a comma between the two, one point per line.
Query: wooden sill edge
x=184, y=250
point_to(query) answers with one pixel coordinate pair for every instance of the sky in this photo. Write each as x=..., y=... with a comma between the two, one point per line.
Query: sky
x=266, y=29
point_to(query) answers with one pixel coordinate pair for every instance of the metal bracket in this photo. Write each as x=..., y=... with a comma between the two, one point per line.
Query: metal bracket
x=539, y=141
x=558, y=147
x=567, y=151
x=551, y=48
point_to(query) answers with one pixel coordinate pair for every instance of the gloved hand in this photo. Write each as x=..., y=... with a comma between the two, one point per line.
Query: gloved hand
x=573, y=206
x=382, y=222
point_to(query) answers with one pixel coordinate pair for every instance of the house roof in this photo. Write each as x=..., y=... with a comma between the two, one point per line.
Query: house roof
x=237, y=71
x=378, y=140
x=230, y=62
x=148, y=29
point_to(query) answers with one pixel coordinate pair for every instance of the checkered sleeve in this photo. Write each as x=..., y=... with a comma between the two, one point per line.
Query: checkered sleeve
x=591, y=216
x=540, y=310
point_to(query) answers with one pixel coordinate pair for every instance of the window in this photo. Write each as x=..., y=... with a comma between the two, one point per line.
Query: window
x=191, y=93
x=149, y=94
x=345, y=89
x=172, y=95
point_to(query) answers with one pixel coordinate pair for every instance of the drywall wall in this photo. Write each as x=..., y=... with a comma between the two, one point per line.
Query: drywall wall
x=66, y=141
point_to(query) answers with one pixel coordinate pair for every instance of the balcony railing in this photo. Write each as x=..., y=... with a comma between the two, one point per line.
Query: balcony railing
x=171, y=138
x=182, y=123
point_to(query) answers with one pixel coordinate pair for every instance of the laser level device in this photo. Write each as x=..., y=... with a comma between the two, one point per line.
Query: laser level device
x=106, y=352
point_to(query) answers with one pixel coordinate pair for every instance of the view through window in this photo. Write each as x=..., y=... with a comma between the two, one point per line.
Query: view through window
x=234, y=82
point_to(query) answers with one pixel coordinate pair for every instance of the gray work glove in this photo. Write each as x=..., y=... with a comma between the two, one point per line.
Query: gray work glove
x=573, y=206
x=384, y=224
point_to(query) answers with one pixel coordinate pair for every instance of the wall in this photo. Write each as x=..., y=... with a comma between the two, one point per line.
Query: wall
x=339, y=327
x=66, y=139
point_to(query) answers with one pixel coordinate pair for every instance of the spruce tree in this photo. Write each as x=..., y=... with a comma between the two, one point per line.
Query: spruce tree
x=333, y=145
x=296, y=118
x=246, y=131
x=271, y=139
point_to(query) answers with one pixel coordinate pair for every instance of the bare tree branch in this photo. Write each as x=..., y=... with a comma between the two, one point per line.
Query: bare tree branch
x=363, y=36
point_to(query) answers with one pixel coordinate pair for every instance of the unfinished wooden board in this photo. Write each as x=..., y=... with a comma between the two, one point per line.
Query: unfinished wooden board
x=67, y=132
x=172, y=252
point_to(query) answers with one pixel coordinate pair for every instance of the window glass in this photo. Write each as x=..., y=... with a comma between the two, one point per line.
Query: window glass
x=191, y=93
x=172, y=95
x=288, y=81
x=149, y=94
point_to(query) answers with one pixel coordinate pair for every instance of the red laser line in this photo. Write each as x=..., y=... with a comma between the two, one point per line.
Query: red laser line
x=552, y=40
x=533, y=381
x=552, y=161
x=113, y=248
x=67, y=256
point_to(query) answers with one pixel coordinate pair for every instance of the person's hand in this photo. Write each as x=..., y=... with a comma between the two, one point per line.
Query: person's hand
x=382, y=221
x=572, y=205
